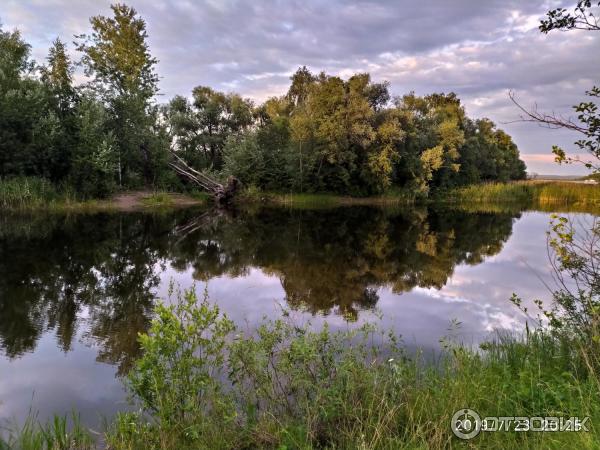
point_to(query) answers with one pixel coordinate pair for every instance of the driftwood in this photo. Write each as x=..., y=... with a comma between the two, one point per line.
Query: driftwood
x=222, y=194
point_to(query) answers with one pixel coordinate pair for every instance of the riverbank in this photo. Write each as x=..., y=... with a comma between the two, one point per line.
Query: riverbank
x=324, y=200
x=28, y=194
x=37, y=194
x=535, y=193
x=289, y=386
x=532, y=195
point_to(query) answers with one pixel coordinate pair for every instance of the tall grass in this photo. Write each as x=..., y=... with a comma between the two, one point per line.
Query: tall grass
x=32, y=193
x=567, y=194
x=530, y=194
x=57, y=434
x=26, y=192
x=254, y=195
x=548, y=195
x=495, y=192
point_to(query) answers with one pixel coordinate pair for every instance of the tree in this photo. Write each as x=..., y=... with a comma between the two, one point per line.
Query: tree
x=117, y=55
x=201, y=128
x=24, y=119
x=583, y=17
x=384, y=153
x=58, y=76
x=14, y=58
x=95, y=157
x=263, y=156
x=299, y=89
x=330, y=134
x=60, y=125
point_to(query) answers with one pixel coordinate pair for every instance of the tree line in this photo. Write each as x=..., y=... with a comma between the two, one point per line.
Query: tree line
x=325, y=134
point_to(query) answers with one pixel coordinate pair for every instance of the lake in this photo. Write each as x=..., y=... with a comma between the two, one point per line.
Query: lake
x=75, y=290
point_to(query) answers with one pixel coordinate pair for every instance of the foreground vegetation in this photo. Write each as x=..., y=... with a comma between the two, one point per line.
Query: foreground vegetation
x=203, y=383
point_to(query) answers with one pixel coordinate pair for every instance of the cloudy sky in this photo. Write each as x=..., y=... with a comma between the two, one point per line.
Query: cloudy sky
x=478, y=49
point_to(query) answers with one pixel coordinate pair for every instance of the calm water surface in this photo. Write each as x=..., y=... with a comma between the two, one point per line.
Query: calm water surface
x=76, y=290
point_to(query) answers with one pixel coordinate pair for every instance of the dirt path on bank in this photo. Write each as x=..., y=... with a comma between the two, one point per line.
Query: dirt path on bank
x=136, y=200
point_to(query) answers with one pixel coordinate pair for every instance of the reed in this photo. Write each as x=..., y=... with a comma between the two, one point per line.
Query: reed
x=26, y=192
x=530, y=194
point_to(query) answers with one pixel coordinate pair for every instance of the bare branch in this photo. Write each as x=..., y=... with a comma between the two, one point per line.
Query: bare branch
x=549, y=120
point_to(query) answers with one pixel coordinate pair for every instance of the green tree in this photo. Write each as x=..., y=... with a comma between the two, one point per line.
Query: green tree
x=95, y=157
x=60, y=125
x=117, y=55
x=25, y=122
x=58, y=76
x=201, y=128
x=299, y=89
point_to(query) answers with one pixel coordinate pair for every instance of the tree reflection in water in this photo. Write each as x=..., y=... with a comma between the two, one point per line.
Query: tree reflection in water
x=99, y=273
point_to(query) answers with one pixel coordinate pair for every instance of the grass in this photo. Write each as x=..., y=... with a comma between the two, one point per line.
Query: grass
x=202, y=196
x=537, y=195
x=26, y=192
x=567, y=194
x=57, y=434
x=37, y=194
x=31, y=193
x=321, y=200
x=163, y=200
x=289, y=386
x=157, y=199
x=549, y=196
x=203, y=383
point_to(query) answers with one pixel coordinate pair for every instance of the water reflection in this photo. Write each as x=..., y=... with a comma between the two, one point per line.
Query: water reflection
x=101, y=272
x=333, y=260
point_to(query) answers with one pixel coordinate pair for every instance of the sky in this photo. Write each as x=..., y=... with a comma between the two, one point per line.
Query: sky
x=479, y=49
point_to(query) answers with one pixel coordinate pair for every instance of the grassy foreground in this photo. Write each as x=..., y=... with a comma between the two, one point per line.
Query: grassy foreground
x=205, y=384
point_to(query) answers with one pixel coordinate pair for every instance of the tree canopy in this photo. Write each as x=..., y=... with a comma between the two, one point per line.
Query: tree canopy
x=346, y=136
